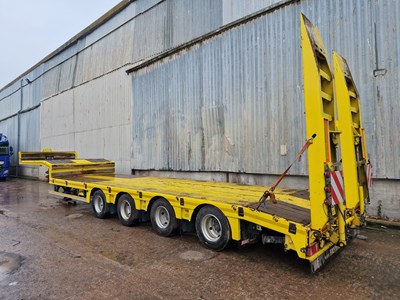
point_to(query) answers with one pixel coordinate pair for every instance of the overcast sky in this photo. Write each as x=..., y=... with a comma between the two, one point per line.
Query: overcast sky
x=32, y=29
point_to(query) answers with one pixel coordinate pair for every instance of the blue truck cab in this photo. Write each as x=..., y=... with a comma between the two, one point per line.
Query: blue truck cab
x=5, y=152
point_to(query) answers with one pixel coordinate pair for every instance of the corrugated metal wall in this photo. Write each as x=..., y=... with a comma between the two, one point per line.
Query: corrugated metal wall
x=19, y=116
x=367, y=34
x=244, y=89
x=225, y=104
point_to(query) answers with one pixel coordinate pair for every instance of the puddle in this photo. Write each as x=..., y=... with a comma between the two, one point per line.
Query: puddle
x=74, y=216
x=8, y=214
x=123, y=258
x=47, y=206
x=9, y=262
x=196, y=255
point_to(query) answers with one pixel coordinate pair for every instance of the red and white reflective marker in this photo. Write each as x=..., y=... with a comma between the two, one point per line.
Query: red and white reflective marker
x=337, y=187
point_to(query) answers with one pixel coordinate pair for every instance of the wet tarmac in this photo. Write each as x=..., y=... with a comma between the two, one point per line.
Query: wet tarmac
x=50, y=250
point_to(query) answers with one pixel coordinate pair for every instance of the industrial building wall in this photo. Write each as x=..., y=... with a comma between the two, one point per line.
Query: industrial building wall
x=233, y=101
x=19, y=121
x=93, y=119
x=228, y=103
x=221, y=105
x=83, y=93
x=238, y=94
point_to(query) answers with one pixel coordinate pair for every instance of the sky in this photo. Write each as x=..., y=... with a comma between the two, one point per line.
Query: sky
x=32, y=29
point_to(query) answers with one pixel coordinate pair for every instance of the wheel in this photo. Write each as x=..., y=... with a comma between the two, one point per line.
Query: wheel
x=99, y=205
x=127, y=213
x=213, y=228
x=163, y=218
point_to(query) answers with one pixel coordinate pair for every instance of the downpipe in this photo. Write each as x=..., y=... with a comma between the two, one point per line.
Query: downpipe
x=19, y=124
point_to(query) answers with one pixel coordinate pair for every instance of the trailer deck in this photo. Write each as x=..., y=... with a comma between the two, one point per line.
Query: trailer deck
x=289, y=207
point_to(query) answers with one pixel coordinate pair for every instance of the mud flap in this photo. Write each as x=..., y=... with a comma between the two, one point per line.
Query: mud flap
x=322, y=260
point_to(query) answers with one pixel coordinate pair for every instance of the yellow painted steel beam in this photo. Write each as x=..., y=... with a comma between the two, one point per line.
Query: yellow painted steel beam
x=352, y=140
x=320, y=117
x=348, y=139
x=45, y=158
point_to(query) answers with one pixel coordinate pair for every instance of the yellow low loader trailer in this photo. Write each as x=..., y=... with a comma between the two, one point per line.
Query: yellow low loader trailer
x=315, y=223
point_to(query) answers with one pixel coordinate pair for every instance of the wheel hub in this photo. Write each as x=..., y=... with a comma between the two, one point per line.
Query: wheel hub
x=211, y=228
x=162, y=217
x=126, y=210
x=98, y=204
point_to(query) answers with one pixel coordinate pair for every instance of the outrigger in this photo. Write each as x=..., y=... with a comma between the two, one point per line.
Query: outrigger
x=314, y=224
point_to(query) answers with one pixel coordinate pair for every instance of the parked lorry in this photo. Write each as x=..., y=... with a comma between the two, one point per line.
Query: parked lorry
x=5, y=152
x=314, y=223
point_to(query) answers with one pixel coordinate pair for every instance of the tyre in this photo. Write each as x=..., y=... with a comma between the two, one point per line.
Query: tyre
x=126, y=209
x=99, y=205
x=163, y=218
x=213, y=228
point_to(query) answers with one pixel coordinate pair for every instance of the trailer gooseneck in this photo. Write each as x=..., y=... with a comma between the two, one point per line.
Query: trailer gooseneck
x=314, y=224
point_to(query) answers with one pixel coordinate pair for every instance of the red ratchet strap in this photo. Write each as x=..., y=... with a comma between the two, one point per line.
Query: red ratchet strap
x=270, y=192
